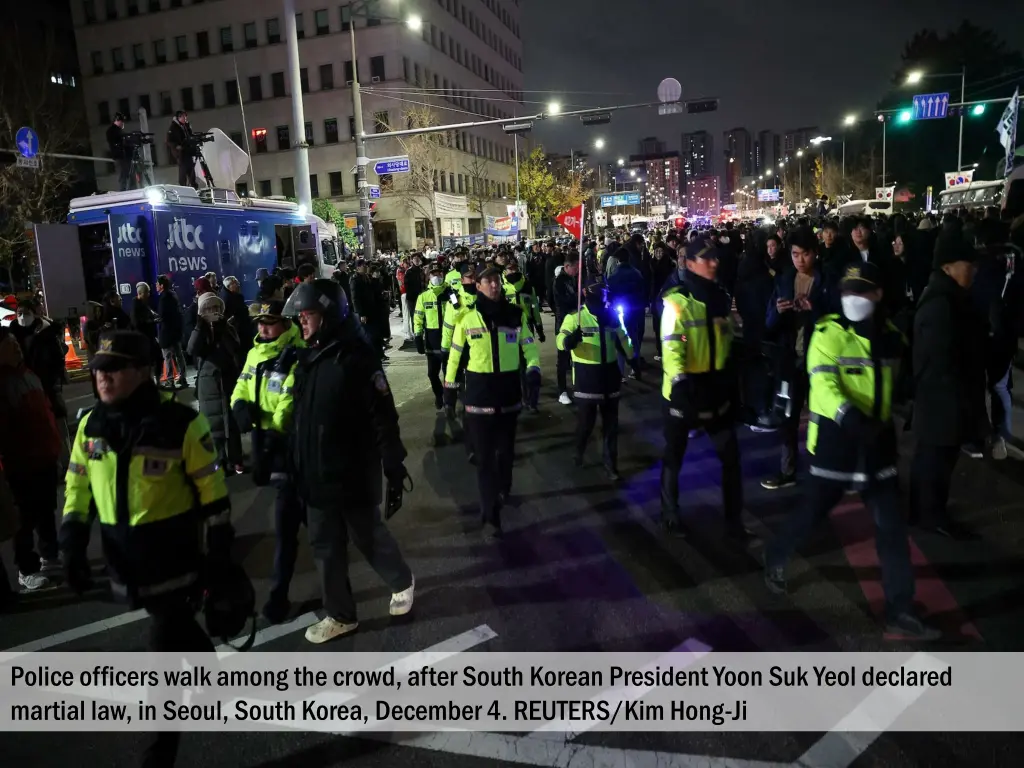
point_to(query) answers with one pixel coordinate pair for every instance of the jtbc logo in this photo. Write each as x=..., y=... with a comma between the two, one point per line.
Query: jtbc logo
x=181, y=234
x=127, y=233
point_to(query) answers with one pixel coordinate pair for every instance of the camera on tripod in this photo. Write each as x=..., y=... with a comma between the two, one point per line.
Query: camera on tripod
x=193, y=142
x=137, y=139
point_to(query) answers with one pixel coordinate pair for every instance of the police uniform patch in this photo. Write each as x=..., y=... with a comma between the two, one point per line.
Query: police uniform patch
x=380, y=383
x=206, y=441
x=106, y=345
x=154, y=467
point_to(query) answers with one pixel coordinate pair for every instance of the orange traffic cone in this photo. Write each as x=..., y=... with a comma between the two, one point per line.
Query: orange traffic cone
x=72, y=362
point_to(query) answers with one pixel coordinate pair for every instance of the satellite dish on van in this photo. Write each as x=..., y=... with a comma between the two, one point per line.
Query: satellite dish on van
x=228, y=162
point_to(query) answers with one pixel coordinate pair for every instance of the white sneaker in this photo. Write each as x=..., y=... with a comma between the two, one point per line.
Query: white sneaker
x=328, y=629
x=33, y=581
x=999, y=449
x=657, y=358
x=401, y=602
x=564, y=399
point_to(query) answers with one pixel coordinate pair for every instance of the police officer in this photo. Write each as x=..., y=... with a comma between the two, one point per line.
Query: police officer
x=148, y=466
x=463, y=301
x=262, y=404
x=853, y=363
x=427, y=325
x=593, y=337
x=520, y=291
x=177, y=135
x=121, y=153
x=699, y=383
x=345, y=430
x=454, y=276
x=489, y=340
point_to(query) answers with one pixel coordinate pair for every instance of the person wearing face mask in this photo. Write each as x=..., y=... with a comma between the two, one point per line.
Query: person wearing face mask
x=433, y=308
x=853, y=364
x=949, y=383
x=463, y=300
x=42, y=344
x=489, y=340
x=699, y=383
x=594, y=337
x=520, y=291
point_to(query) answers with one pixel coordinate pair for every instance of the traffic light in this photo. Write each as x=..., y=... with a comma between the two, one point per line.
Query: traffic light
x=977, y=109
x=905, y=116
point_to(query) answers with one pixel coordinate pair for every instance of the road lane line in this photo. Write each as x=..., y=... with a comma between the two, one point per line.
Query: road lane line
x=75, y=633
x=268, y=634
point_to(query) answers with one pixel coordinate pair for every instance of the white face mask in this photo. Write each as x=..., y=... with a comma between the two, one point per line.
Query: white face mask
x=26, y=319
x=436, y=280
x=858, y=308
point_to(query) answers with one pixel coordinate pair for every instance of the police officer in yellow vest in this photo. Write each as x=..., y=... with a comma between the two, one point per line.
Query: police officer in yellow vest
x=262, y=404
x=699, y=382
x=594, y=337
x=853, y=363
x=489, y=341
x=433, y=307
x=149, y=466
x=454, y=277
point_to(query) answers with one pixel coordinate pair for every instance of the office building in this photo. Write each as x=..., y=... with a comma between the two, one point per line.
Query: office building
x=798, y=138
x=698, y=154
x=767, y=151
x=739, y=148
x=651, y=146
x=702, y=198
x=662, y=174
x=215, y=58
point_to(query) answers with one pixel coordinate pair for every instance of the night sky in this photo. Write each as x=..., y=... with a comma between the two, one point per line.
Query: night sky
x=775, y=65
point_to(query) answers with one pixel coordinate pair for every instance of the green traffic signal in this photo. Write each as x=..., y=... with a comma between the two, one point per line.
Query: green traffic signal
x=978, y=109
x=905, y=116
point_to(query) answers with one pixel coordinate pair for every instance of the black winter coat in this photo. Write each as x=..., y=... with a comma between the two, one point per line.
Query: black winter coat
x=345, y=423
x=949, y=369
x=237, y=312
x=144, y=320
x=171, y=326
x=218, y=357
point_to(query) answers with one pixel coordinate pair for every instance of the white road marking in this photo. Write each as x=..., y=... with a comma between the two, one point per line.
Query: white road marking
x=75, y=633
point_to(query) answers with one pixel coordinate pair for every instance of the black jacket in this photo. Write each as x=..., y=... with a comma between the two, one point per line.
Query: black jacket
x=144, y=320
x=345, y=422
x=218, y=355
x=237, y=313
x=949, y=371
x=755, y=283
x=414, y=284
x=115, y=142
x=176, y=134
x=171, y=326
x=362, y=296
x=563, y=294
x=782, y=327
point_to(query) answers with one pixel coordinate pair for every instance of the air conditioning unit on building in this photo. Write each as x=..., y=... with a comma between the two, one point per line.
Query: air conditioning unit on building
x=374, y=79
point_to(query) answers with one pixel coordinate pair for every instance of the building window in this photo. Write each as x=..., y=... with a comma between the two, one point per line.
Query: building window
x=249, y=34
x=104, y=110
x=321, y=22
x=231, y=91
x=377, y=69
x=314, y=186
x=349, y=73
x=300, y=30
x=256, y=88
x=175, y=4
x=372, y=19
x=187, y=102
x=209, y=102
x=288, y=186
x=165, y=103
x=331, y=131
x=111, y=8
x=144, y=104
x=133, y=7
x=304, y=79
x=266, y=188
x=181, y=47
x=97, y=62
x=346, y=18
x=334, y=179
x=352, y=128
x=405, y=68
x=273, y=31
x=277, y=84
x=326, y=77
x=380, y=122
x=202, y=44
x=160, y=51
x=117, y=57
x=355, y=181
x=125, y=108
x=236, y=138
x=308, y=130
x=241, y=189
x=284, y=139
x=259, y=138
x=226, y=41
x=89, y=10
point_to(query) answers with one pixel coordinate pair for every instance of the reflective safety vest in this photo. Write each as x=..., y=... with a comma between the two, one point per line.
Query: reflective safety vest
x=428, y=319
x=526, y=300
x=692, y=343
x=268, y=378
x=595, y=370
x=466, y=302
x=152, y=492
x=453, y=279
x=847, y=372
x=491, y=352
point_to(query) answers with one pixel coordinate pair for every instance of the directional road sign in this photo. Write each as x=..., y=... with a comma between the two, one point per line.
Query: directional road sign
x=930, y=106
x=622, y=198
x=398, y=164
x=27, y=141
x=374, y=191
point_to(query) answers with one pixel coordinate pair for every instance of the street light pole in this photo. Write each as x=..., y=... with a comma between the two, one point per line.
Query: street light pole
x=298, y=119
x=361, y=159
x=883, y=153
x=963, y=98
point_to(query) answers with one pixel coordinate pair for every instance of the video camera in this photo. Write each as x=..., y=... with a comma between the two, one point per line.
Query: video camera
x=194, y=141
x=137, y=138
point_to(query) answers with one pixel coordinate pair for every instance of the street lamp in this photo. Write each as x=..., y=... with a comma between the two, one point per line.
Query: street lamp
x=915, y=77
x=849, y=120
x=414, y=22
x=621, y=162
x=554, y=108
x=599, y=144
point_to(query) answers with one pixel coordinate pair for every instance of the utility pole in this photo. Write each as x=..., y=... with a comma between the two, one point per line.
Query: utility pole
x=299, y=145
x=963, y=95
x=361, y=159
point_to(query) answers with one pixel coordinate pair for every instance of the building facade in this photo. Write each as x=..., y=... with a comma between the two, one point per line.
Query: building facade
x=739, y=148
x=220, y=59
x=662, y=174
x=651, y=145
x=767, y=152
x=798, y=138
x=702, y=196
x=698, y=154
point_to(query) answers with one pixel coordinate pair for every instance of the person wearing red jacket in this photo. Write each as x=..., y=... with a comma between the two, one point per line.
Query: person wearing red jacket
x=30, y=449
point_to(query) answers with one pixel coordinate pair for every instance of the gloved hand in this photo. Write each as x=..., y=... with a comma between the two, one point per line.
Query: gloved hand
x=574, y=339
x=682, y=403
x=451, y=396
x=245, y=415
x=76, y=570
x=540, y=335
x=395, y=472
x=533, y=385
x=421, y=347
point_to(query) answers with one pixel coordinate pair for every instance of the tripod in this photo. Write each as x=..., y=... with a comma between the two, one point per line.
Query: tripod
x=138, y=172
x=202, y=164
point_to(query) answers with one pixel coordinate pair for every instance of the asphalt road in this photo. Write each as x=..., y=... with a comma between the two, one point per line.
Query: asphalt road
x=583, y=567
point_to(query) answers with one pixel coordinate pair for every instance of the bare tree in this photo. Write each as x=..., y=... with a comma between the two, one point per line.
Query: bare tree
x=478, y=191
x=29, y=96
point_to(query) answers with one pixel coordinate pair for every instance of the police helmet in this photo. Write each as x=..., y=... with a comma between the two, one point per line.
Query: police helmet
x=325, y=296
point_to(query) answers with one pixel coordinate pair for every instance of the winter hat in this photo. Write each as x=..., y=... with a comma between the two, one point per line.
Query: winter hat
x=202, y=285
x=952, y=247
x=925, y=223
x=211, y=306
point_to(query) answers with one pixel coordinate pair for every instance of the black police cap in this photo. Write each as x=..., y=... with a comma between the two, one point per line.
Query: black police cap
x=861, y=278
x=272, y=310
x=118, y=350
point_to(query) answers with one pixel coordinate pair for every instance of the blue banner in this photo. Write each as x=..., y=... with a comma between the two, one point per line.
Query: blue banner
x=452, y=242
x=620, y=198
x=132, y=243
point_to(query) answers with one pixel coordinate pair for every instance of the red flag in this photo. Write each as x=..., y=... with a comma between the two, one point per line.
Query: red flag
x=572, y=221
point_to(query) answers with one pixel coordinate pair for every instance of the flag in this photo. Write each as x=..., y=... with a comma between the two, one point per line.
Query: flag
x=572, y=221
x=1007, y=130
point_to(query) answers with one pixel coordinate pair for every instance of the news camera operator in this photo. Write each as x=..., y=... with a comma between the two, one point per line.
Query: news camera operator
x=119, y=151
x=177, y=142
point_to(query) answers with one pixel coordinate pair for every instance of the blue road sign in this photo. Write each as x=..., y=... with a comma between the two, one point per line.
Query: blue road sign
x=622, y=198
x=374, y=192
x=930, y=106
x=27, y=141
x=391, y=165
